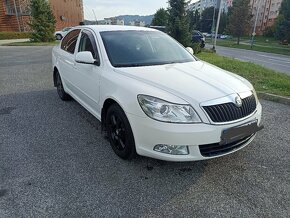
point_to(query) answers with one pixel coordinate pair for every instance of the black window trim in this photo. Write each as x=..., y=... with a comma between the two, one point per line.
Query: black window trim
x=93, y=41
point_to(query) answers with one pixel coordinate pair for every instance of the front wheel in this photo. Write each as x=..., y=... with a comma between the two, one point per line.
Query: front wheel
x=120, y=133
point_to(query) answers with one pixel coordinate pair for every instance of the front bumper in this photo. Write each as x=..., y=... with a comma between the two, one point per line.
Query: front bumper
x=148, y=133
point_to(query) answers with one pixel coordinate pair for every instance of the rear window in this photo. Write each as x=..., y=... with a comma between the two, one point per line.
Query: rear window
x=70, y=40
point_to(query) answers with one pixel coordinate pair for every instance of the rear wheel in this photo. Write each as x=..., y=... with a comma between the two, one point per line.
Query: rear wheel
x=120, y=133
x=60, y=90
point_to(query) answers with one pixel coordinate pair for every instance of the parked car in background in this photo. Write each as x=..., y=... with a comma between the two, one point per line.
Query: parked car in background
x=152, y=96
x=160, y=28
x=60, y=34
x=207, y=34
x=225, y=37
x=198, y=37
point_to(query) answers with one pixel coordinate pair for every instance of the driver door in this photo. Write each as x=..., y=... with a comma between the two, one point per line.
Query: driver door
x=88, y=75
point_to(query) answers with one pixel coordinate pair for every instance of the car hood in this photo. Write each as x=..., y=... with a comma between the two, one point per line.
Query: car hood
x=193, y=81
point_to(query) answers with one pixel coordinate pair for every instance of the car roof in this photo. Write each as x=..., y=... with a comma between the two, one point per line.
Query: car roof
x=104, y=28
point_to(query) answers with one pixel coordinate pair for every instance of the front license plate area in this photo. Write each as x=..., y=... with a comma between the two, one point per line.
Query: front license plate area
x=239, y=132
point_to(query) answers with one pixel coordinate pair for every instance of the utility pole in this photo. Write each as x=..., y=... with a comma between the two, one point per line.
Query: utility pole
x=255, y=25
x=217, y=25
x=213, y=25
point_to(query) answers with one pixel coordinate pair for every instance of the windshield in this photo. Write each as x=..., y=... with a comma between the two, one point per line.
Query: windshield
x=143, y=48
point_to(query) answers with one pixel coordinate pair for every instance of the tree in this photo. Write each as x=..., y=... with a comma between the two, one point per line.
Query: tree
x=160, y=18
x=282, y=23
x=240, y=18
x=206, y=20
x=42, y=22
x=178, y=24
x=229, y=14
x=194, y=20
x=223, y=22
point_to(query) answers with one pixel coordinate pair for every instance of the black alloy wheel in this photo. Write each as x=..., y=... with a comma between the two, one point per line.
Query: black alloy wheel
x=120, y=133
x=60, y=90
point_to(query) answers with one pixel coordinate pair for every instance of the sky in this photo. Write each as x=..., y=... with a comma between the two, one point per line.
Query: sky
x=111, y=8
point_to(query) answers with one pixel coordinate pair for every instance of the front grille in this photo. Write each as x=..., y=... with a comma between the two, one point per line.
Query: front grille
x=216, y=149
x=227, y=112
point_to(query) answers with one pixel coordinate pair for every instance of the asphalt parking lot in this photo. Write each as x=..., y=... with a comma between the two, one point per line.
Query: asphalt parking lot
x=55, y=161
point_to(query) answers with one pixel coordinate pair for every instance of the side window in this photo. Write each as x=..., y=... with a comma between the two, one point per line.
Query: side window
x=87, y=43
x=70, y=40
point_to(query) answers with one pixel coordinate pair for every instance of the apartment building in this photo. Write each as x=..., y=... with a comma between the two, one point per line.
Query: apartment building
x=195, y=6
x=15, y=14
x=137, y=23
x=112, y=21
x=268, y=12
x=67, y=12
x=203, y=4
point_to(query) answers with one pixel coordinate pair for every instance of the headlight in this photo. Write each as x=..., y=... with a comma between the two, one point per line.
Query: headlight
x=165, y=111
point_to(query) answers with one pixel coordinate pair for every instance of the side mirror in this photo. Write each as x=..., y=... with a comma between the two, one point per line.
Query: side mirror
x=190, y=50
x=86, y=57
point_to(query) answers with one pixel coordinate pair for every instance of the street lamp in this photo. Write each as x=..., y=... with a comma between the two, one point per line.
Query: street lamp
x=255, y=25
x=217, y=25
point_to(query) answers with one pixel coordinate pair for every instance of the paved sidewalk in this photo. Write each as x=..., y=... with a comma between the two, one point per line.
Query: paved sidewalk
x=6, y=41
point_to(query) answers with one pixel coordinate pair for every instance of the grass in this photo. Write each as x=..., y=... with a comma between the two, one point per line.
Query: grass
x=262, y=44
x=28, y=43
x=263, y=79
x=14, y=35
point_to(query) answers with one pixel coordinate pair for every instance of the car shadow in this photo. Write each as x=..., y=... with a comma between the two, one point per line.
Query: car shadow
x=56, y=150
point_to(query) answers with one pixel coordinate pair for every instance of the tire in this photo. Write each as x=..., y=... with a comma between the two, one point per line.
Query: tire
x=119, y=132
x=58, y=37
x=60, y=90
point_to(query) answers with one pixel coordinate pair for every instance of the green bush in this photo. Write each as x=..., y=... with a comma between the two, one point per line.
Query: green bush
x=269, y=31
x=196, y=48
x=14, y=35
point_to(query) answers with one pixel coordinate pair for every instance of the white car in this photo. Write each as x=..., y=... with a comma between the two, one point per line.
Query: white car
x=224, y=37
x=153, y=97
x=60, y=34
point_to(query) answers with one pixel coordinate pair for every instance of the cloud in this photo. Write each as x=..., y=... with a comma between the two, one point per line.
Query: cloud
x=110, y=8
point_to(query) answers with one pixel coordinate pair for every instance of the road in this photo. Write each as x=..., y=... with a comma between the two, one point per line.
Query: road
x=280, y=63
x=56, y=162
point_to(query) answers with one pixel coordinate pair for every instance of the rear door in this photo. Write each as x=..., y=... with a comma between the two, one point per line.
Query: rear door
x=67, y=60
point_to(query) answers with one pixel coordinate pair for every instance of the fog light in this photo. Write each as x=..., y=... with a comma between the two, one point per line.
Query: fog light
x=172, y=149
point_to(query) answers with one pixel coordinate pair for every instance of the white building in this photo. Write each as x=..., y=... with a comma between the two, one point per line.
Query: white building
x=203, y=4
x=111, y=21
x=195, y=6
x=137, y=23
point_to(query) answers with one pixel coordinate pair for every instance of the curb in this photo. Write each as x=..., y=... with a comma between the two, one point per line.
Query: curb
x=4, y=42
x=275, y=98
